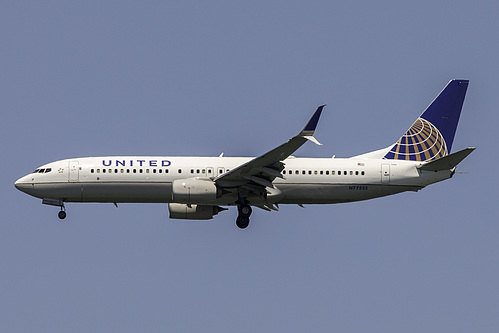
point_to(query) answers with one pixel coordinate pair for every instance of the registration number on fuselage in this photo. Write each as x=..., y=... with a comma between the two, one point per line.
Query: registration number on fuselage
x=358, y=188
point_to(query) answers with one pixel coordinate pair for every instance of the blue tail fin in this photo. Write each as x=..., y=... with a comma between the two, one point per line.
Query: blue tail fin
x=432, y=134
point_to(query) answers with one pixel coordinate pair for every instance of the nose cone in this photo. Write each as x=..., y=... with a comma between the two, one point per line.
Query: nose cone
x=24, y=184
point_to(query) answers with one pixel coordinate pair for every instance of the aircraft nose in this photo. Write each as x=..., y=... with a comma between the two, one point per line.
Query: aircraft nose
x=18, y=183
x=22, y=184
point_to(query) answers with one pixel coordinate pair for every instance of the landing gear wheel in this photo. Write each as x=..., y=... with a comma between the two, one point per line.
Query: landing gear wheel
x=245, y=210
x=242, y=222
x=62, y=215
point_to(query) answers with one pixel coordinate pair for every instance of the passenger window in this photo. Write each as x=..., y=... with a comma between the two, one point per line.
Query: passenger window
x=297, y=172
x=322, y=172
x=91, y=170
x=356, y=173
x=315, y=172
x=98, y=170
x=166, y=170
x=140, y=170
x=147, y=170
x=153, y=170
x=333, y=172
x=122, y=170
x=103, y=170
x=327, y=172
x=303, y=172
x=197, y=171
x=134, y=170
x=362, y=173
x=351, y=173
x=345, y=173
x=127, y=170
x=115, y=170
x=192, y=170
x=179, y=170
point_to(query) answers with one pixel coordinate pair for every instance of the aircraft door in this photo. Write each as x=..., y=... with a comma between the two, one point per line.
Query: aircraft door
x=385, y=173
x=74, y=171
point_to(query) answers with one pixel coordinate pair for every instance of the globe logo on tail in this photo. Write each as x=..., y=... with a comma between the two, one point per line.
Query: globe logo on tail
x=422, y=142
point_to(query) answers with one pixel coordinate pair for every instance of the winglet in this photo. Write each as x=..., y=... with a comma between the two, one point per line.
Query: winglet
x=312, y=123
x=309, y=129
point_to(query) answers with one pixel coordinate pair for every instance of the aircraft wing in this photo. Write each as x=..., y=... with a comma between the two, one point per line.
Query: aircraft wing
x=262, y=170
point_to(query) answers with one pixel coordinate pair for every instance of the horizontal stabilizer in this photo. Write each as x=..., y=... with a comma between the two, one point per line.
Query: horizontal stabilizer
x=447, y=162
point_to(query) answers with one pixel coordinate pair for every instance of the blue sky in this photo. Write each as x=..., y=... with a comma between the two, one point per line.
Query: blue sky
x=100, y=78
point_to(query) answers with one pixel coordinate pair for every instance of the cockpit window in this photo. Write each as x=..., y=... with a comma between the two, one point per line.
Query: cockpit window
x=42, y=170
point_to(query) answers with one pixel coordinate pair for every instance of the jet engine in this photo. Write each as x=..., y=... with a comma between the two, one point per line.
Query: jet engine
x=193, y=212
x=195, y=191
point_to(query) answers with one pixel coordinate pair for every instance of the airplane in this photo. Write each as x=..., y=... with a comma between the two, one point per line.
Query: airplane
x=198, y=188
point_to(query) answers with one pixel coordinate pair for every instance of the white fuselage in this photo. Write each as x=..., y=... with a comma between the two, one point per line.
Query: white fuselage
x=149, y=179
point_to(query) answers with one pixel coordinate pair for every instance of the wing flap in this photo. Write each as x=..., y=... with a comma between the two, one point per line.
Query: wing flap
x=260, y=181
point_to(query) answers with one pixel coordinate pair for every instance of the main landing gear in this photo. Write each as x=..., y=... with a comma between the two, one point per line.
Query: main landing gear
x=243, y=218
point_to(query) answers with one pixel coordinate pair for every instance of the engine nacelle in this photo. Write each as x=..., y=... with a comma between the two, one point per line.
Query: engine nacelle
x=194, y=191
x=193, y=212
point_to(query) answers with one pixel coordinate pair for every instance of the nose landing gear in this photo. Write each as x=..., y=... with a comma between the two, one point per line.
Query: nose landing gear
x=58, y=203
x=62, y=214
x=243, y=218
